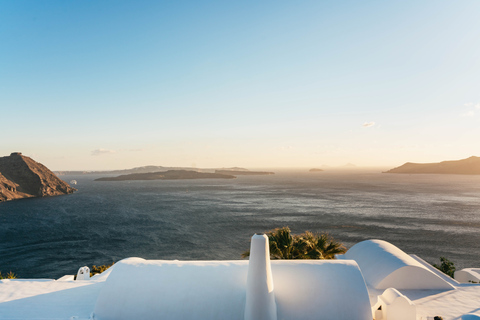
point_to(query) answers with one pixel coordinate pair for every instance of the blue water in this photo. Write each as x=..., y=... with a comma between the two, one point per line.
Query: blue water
x=103, y=222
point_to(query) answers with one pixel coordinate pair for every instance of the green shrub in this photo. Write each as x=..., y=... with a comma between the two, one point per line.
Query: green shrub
x=96, y=270
x=308, y=245
x=9, y=275
x=446, y=266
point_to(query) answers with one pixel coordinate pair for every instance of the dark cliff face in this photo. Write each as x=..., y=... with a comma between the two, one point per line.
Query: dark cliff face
x=8, y=189
x=22, y=177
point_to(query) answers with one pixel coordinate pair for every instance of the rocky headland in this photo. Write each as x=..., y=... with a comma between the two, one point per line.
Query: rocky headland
x=168, y=175
x=465, y=166
x=22, y=177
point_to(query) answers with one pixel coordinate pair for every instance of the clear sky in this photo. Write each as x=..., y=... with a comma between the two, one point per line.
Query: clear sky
x=118, y=84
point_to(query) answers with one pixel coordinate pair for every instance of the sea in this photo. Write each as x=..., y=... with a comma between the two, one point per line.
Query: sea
x=429, y=215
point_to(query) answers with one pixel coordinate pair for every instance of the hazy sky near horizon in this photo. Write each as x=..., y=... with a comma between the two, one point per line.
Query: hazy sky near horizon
x=117, y=84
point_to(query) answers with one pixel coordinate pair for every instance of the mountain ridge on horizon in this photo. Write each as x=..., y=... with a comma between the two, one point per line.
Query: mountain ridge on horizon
x=143, y=169
x=468, y=166
x=154, y=168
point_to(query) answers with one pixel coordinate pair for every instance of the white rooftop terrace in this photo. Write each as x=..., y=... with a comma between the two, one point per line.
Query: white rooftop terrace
x=135, y=288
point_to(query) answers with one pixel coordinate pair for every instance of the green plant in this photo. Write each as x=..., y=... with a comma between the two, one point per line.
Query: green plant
x=96, y=270
x=446, y=266
x=308, y=245
x=9, y=275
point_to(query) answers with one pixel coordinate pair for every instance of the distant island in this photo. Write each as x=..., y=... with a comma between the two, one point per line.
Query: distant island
x=168, y=175
x=465, y=166
x=243, y=172
x=150, y=169
x=22, y=177
x=144, y=169
x=315, y=170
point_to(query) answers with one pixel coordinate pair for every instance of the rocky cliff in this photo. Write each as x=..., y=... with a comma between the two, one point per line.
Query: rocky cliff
x=22, y=177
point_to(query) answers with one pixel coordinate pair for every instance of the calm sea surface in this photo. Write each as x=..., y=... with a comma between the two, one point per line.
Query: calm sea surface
x=429, y=215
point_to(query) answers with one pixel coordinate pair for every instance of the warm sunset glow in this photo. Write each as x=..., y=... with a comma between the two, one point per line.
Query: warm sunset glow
x=91, y=85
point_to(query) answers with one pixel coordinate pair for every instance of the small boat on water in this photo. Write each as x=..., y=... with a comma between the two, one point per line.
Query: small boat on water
x=73, y=182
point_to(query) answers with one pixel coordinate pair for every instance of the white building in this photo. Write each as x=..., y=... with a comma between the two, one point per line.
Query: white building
x=373, y=279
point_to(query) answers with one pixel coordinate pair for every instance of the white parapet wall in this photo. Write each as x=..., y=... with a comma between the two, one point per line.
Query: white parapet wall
x=292, y=290
x=468, y=275
x=320, y=289
x=385, y=266
x=304, y=289
x=158, y=289
x=392, y=305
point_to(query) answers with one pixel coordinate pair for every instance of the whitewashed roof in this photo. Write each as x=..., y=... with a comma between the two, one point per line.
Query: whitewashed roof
x=153, y=289
x=385, y=266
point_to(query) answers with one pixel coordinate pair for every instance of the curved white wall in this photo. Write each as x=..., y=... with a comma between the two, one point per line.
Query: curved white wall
x=304, y=289
x=467, y=275
x=320, y=289
x=156, y=289
x=385, y=266
x=392, y=305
